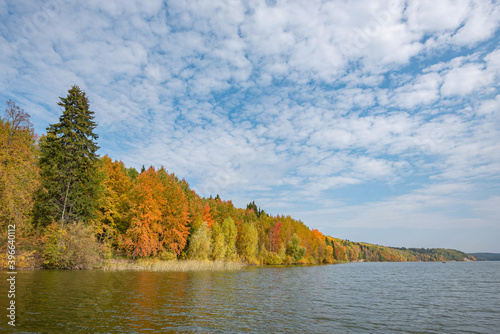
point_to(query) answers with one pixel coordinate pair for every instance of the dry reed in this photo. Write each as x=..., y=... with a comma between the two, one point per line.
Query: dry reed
x=158, y=265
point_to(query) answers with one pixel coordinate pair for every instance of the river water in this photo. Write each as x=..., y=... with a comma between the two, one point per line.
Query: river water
x=453, y=297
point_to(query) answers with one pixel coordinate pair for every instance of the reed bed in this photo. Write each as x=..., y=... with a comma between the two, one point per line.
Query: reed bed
x=182, y=265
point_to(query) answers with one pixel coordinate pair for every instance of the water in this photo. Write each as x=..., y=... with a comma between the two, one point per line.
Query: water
x=459, y=297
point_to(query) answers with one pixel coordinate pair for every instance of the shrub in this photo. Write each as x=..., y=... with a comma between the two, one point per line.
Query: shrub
x=71, y=247
x=53, y=246
x=167, y=256
x=272, y=258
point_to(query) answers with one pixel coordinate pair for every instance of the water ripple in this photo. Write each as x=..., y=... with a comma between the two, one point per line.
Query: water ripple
x=350, y=298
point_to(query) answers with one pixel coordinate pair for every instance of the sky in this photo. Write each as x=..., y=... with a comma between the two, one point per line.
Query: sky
x=373, y=121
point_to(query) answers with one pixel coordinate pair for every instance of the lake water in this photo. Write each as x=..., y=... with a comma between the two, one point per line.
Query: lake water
x=454, y=297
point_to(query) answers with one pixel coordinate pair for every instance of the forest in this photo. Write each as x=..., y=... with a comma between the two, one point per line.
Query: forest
x=64, y=206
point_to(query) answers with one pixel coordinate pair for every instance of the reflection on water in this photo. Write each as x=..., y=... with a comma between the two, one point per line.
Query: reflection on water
x=352, y=298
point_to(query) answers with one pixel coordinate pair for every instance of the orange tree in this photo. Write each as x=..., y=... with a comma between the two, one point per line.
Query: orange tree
x=143, y=238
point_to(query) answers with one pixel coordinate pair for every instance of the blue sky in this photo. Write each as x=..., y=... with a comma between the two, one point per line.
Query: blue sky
x=374, y=121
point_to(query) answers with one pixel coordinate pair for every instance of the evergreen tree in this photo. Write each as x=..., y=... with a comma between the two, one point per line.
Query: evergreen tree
x=252, y=206
x=68, y=163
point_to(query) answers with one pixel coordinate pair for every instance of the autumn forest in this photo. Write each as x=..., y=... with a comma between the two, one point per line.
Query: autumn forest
x=73, y=209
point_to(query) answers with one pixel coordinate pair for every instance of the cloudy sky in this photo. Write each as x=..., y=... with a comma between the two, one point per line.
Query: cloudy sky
x=375, y=121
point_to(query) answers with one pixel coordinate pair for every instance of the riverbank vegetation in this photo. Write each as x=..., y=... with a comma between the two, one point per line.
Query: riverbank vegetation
x=156, y=264
x=75, y=210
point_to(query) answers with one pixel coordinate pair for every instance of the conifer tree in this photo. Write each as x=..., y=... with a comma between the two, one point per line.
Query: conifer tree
x=68, y=163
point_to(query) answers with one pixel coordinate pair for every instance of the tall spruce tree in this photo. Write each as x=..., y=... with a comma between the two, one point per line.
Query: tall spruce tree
x=68, y=162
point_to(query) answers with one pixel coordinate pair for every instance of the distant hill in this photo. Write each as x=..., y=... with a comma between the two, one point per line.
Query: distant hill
x=486, y=256
x=347, y=251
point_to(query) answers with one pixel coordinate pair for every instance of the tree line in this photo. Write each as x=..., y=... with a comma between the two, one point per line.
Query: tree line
x=72, y=207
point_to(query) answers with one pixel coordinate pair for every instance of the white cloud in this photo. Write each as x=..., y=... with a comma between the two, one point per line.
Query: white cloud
x=430, y=16
x=464, y=80
x=286, y=102
x=482, y=21
x=422, y=91
x=444, y=205
x=490, y=107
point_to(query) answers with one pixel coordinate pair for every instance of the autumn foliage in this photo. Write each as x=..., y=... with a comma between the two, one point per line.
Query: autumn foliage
x=175, y=214
x=147, y=214
x=207, y=216
x=19, y=172
x=144, y=237
x=160, y=215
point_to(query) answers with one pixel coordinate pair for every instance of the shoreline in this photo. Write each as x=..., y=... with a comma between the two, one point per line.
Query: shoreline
x=190, y=265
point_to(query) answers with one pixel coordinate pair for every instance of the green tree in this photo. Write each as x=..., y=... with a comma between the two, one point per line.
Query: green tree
x=68, y=163
x=253, y=207
x=294, y=249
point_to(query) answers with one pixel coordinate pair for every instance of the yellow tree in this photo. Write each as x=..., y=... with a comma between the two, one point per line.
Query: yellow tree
x=199, y=244
x=318, y=245
x=248, y=242
x=19, y=174
x=114, y=210
x=230, y=234
x=219, y=247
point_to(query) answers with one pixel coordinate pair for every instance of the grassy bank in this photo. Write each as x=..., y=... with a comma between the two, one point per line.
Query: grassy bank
x=158, y=265
x=33, y=260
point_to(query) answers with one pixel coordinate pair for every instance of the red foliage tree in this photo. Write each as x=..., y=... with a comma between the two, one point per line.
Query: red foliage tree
x=275, y=237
